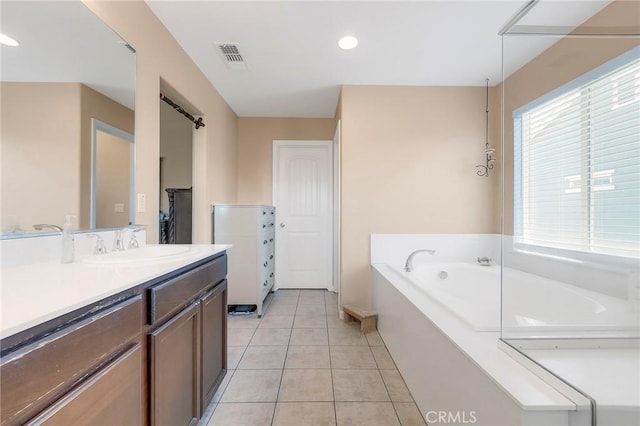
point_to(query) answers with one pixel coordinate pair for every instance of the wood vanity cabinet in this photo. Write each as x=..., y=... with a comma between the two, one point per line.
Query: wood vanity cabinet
x=188, y=360
x=66, y=366
x=187, y=343
x=154, y=354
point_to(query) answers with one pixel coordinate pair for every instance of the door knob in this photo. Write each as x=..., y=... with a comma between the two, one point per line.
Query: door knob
x=282, y=225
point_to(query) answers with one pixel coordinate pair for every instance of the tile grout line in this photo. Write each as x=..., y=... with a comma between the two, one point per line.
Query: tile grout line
x=333, y=389
x=385, y=383
x=284, y=363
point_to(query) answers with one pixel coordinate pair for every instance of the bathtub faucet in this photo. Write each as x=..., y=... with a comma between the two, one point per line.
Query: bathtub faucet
x=408, y=266
x=484, y=261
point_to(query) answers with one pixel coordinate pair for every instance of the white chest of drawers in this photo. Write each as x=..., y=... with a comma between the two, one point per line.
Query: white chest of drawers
x=250, y=229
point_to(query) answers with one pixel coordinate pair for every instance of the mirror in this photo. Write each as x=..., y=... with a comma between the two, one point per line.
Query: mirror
x=67, y=94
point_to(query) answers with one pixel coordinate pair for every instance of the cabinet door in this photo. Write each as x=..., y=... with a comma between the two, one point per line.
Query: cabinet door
x=113, y=396
x=214, y=341
x=174, y=356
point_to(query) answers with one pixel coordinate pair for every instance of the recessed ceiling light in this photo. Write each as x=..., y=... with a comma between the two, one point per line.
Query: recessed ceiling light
x=8, y=41
x=348, y=42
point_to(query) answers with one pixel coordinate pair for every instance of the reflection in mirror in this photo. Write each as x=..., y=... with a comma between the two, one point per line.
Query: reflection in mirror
x=68, y=71
x=111, y=176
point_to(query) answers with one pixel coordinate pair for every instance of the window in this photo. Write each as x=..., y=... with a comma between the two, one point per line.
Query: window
x=577, y=164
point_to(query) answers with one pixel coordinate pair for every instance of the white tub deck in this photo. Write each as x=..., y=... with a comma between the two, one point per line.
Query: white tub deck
x=607, y=371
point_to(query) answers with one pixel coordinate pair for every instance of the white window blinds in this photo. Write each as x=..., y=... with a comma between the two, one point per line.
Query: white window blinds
x=577, y=164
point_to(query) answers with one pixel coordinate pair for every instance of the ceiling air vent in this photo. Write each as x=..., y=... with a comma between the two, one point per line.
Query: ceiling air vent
x=231, y=55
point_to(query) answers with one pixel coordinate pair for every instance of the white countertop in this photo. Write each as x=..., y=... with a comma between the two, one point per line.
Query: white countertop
x=38, y=292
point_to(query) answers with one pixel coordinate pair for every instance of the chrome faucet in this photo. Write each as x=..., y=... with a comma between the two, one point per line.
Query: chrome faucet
x=42, y=226
x=100, y=247
x=118, y=242
x=408, y=266
x=133, y=241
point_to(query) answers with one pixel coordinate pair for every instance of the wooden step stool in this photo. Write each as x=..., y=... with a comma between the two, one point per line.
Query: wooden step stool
x=366, y=317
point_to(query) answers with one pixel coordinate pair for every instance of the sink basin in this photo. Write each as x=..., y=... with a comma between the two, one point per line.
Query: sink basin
x=146, y=253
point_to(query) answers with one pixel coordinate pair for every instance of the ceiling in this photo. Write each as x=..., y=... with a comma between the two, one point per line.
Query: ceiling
x=295, y=68
x=294, y=65
x=63, y=41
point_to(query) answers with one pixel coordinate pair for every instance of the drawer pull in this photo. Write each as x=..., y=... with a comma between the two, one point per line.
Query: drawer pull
x=265, y=242
x=265, y=264
x=270, y=257
x=270, y=225
x=270, y=240
x=272, y=213
x=264, y=226
x=263, y=212
x=264, y=284
x=271, y=275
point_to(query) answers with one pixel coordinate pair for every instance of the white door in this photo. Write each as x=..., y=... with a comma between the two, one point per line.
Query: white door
x=303, y=196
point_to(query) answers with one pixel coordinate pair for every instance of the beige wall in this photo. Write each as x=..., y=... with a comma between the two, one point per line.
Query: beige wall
x=46, y=143
x=158, y=56
x=40, y=167
x=408, y=166
x=95, y=105
x=255, y=150
x=564, y=61
x=175, y=151
x=112, y=180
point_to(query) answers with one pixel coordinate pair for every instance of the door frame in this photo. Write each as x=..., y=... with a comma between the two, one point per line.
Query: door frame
x=96, y=126
x=337, y=241
x=277, y=145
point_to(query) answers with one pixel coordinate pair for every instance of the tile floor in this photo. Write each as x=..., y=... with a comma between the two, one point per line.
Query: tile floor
x=301, y=365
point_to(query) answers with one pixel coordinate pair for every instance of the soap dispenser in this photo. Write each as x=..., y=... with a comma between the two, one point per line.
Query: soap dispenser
x=68, y=243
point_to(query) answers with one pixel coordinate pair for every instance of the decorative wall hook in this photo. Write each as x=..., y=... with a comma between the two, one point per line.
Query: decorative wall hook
x=483, y=169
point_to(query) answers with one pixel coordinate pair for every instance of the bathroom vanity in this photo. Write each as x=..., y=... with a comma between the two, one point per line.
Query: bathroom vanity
x=119, y=341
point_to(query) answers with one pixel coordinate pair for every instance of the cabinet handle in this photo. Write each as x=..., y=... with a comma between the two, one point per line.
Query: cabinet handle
x=265, y=242
x=271, y=275
x=264, y=226
x=270, y=240
x=265, y=264
x=270, y=257
x=263, y=213
x=270, y=225
x=264, y=284
x=282, y=225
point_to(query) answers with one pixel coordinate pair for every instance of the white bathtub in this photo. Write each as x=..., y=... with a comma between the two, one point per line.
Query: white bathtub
x=545, y=375
x=449, y=367
x=533, y=306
